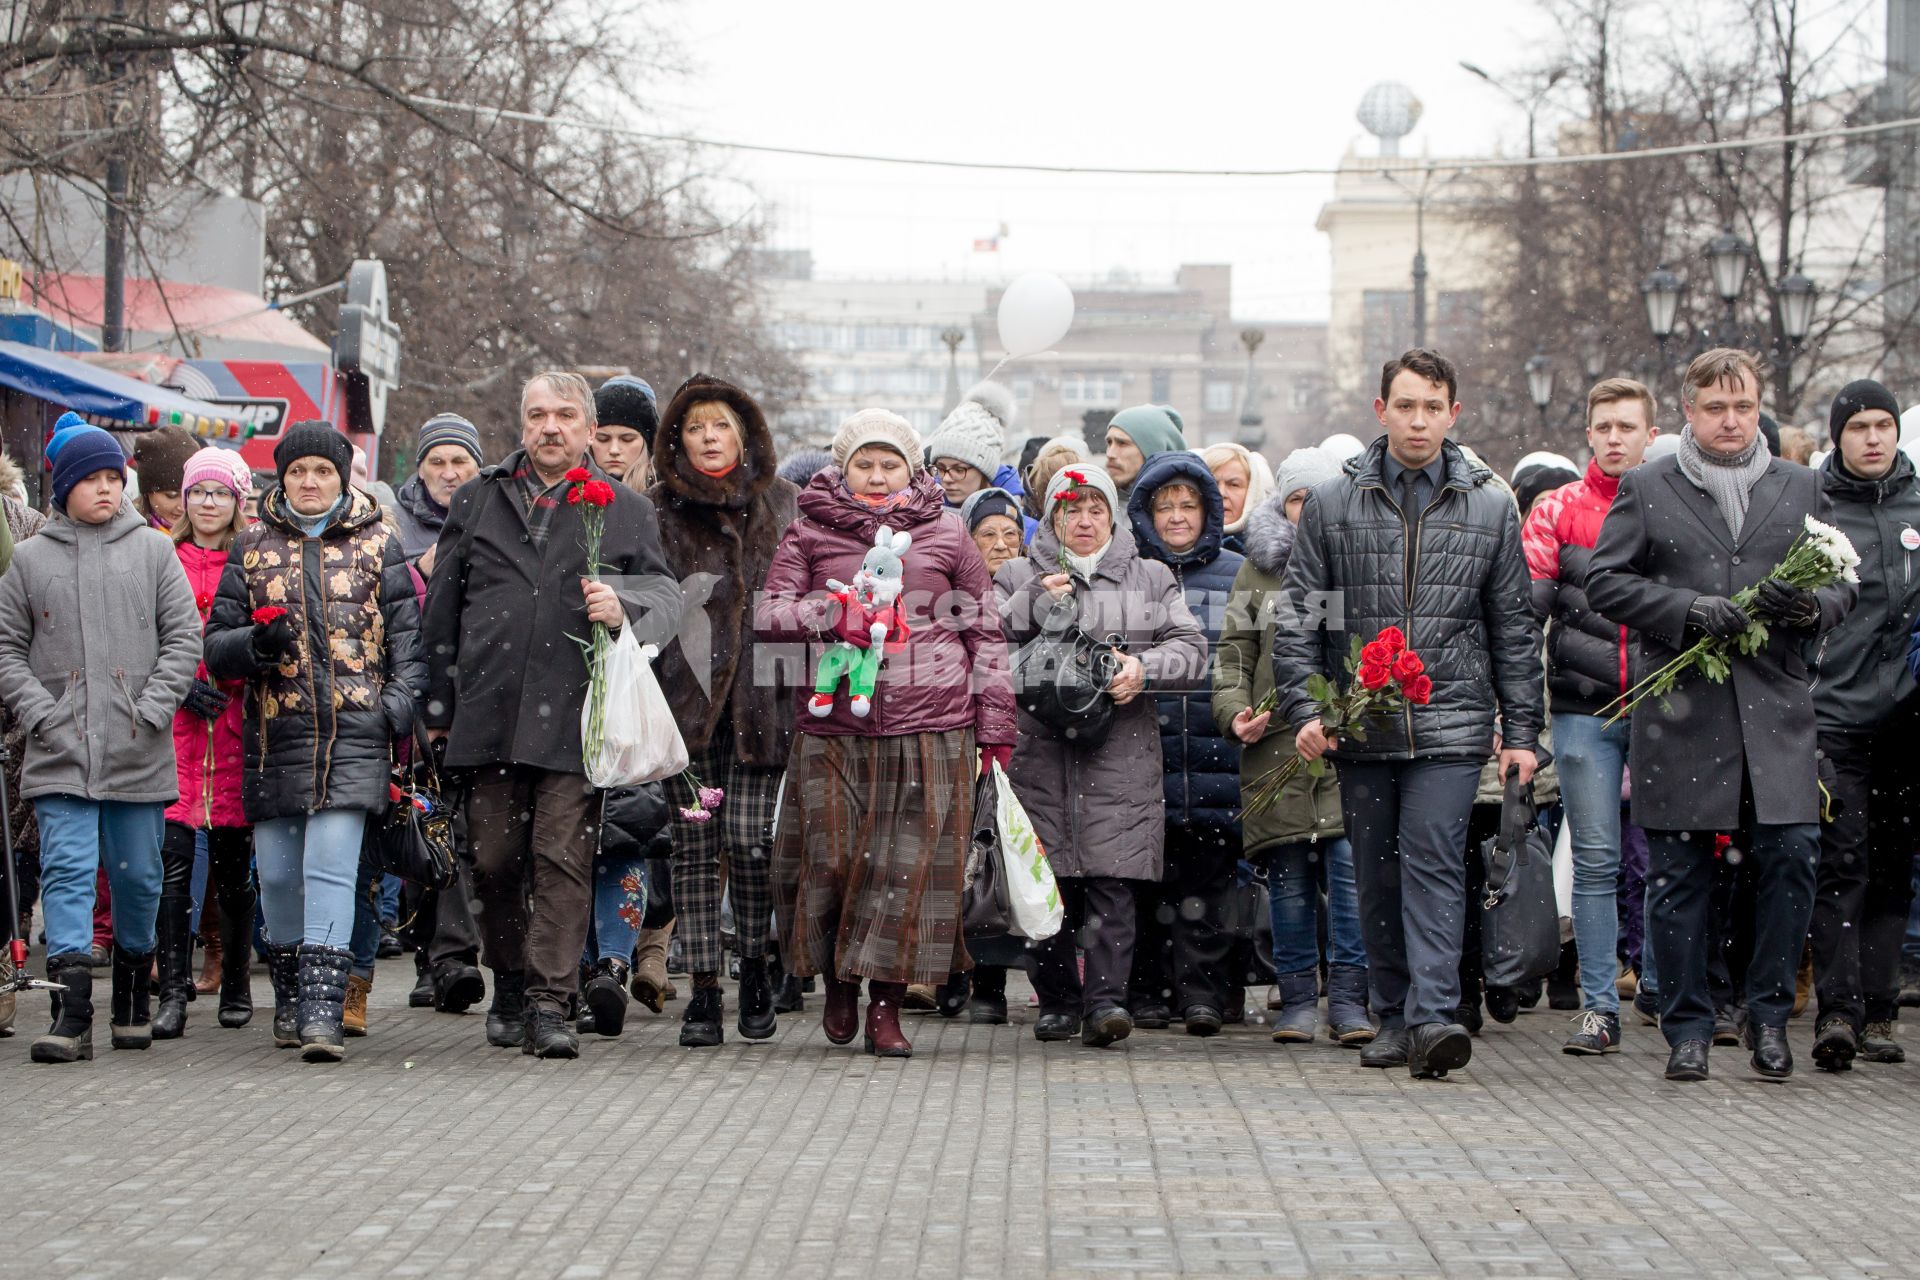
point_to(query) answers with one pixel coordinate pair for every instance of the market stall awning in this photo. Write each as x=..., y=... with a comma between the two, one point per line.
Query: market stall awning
x=109, y=399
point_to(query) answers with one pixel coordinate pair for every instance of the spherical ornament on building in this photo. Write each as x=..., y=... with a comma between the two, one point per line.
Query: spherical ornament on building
x=1389, y=112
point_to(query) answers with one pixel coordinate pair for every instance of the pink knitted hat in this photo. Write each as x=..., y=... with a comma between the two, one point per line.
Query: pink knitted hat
x=219, y=466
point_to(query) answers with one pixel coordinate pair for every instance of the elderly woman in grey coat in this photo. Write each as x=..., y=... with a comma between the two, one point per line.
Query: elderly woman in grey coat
x=1100, y=811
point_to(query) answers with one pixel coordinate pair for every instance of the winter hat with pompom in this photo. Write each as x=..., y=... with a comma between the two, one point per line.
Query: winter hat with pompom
x=878, y=426
x=976, y=431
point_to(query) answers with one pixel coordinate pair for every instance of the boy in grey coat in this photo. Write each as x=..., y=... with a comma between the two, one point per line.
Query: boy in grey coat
x=99, y=640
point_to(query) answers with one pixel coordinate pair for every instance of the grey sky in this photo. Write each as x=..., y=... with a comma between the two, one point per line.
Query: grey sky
x=1205, y=84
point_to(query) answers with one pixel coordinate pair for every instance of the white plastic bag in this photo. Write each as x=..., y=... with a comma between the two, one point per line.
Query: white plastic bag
x=1563, y=877
x=1031, y=890
x=639, y=741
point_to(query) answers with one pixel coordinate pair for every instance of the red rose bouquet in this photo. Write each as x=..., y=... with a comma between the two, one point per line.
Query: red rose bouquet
x=1387, y=678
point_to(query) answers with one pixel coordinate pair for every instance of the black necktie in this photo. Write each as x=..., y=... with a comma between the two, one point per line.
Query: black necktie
x=1410, y=493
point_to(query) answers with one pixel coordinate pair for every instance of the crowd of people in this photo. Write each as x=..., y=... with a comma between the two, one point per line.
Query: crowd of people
x=208, y=689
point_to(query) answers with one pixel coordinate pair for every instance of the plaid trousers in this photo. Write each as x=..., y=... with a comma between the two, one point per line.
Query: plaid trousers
x=742, y=829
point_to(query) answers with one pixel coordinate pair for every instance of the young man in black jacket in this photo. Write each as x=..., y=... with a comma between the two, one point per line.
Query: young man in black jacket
x=1414, y=535
x=1864, y=705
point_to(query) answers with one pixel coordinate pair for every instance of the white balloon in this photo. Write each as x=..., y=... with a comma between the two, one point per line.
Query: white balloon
x=1545, y=458
x=1340, y=446
x=1818, y=459
x=1661, y=445
x=1910, y=444
x=1035, y=312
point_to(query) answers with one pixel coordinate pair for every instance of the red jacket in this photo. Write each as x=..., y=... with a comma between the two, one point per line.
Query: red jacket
x=207, y=755
x=1586, y=654
x=952, y=671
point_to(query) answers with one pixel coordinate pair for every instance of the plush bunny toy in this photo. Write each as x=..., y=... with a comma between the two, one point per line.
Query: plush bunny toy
x=869, y=620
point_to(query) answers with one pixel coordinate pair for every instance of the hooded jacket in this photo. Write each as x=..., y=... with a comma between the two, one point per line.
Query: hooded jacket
x=208, y=752
x=1587, y=656
x=952, y=671
x=1859, y=676
x=319, y=725
x=1202, y=764
x=98, y=644
x=1451, y=576
x=719, y=534
x=1102, y=812
x=1309, y=807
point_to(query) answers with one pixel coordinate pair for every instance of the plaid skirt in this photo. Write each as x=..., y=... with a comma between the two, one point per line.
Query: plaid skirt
x=868, y=859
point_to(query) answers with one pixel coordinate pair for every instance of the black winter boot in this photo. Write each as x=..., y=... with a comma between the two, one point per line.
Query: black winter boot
x=700, y=1025
x=236, y=954
x=70, y=1038
x=1299, y=1015
x=283, y=967
x=1347, y=1019
x=757, y=1020
x=950, y=997
x=548, y=1035
x=323, y=995
x=605, y=995
x=507, y=1016
x=175, y=953
x=132, y=1028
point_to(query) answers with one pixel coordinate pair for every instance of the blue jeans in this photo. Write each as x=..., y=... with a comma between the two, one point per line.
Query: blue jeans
x=616, y=912
x=390, y=887
x=369, y=906
x=1591, y=756
x=1293, y=889
x=307, y=868
x=77, y=838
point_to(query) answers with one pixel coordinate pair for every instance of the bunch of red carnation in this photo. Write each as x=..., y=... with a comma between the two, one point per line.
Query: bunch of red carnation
x=582, y=487
x=266, y=613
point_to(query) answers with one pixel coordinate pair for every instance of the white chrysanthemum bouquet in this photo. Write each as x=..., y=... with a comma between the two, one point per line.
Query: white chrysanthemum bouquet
x=1820, y=556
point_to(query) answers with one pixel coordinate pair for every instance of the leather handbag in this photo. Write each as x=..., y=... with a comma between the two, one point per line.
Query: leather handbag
x=412, y=837
x=1060, y=678
x=1520, y=921
x=986, y=911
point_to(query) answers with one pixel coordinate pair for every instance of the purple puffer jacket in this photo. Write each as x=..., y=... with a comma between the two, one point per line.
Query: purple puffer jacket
x=952, y=672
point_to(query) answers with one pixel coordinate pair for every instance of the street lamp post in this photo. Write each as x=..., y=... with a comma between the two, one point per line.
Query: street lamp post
x=1540, y=385
x=1728, y=258
x=1661, y=292
x=953, y=335
x=1797, y=294
x=1252, y=429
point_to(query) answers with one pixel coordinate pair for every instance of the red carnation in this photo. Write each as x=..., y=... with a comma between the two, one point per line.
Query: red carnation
x=579, y=475
x=1393, y=638
x=267, y=613
x=1419, y=690
x=1078, y=477
x=599, y=493
x=1375, y=654
x=203, y=602
x=1407, y=666
x=1374, y=675
x=574, y=495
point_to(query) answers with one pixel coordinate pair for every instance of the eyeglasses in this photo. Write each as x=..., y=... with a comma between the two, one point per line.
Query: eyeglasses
x=952, y=470
x=218, y=496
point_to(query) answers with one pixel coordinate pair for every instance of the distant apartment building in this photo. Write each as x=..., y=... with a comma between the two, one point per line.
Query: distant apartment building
x=883, y=341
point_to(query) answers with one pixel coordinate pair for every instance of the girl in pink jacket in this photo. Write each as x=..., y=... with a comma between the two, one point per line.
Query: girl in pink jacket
x=206, y=748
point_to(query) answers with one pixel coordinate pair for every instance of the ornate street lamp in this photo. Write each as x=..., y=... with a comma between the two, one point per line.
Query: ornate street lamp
x=15, y=15
x=1727, y=260
x=241, y=18
x=1661, y=292
x=1593, y=354
x=1540, y=384
x=1796, y=307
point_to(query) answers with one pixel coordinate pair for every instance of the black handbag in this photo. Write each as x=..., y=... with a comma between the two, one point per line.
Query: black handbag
x=412, y=837
x=1060, y=679
x=1520, y=920
x=985, y=909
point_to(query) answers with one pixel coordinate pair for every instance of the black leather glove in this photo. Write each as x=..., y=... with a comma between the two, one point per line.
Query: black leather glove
x=205, y=701
x=274, y=641
x=1718, y=616
x=1787, y=605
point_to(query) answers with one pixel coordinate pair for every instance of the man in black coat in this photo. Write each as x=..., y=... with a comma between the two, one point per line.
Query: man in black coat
x=1863, y=699
x=1683, y=536
x=1414, y=535
x=507, y=680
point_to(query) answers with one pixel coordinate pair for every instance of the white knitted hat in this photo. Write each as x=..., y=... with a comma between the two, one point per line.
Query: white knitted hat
x=878, y=426
x=975, y=432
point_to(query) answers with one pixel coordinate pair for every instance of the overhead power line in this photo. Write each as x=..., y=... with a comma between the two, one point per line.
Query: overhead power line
x=925, y=162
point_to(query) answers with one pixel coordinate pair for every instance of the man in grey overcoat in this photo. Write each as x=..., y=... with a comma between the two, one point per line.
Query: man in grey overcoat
x=1684, y=535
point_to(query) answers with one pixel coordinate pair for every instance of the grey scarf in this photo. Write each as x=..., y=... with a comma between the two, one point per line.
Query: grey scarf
x=1728, y=479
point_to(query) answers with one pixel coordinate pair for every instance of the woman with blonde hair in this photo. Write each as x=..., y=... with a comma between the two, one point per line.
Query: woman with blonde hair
x=1245, y=479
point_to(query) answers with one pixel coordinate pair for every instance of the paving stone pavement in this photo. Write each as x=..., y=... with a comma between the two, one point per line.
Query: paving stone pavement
x=429, y=1154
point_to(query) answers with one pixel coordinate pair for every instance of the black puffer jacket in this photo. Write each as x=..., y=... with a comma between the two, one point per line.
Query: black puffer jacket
x=1860, y=672
x=316, y=733
x=634, y=823
x=1202, y=764
x=1457, y=586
